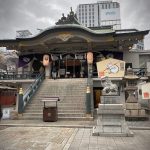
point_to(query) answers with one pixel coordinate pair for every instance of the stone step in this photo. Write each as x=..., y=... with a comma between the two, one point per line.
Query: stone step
x=74, y=104
x=59, y=110
x=72, y=93
x=60, y=118
x=40, y=115
x=69, y=98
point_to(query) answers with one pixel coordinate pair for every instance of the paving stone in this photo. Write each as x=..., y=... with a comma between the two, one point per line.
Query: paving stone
x=30, y=138
x=54, y=138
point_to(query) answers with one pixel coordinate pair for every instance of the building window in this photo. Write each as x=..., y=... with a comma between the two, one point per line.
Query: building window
x=117, y=5
x=114, y=5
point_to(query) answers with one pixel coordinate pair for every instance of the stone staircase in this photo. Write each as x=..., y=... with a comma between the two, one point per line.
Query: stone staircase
x=72, y=93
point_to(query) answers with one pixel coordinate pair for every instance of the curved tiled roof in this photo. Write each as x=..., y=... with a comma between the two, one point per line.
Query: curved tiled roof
x=67, y=27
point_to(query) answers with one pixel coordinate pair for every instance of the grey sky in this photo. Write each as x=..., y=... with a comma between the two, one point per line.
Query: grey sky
x=32, y=14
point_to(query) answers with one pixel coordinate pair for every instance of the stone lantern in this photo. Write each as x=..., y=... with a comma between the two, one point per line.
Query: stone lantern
x=133, y=108
x=131, y=86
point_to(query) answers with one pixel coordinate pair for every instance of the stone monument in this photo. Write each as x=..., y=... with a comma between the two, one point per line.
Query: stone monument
x=110, y=115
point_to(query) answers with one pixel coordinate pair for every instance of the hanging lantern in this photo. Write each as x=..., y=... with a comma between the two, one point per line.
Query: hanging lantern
x=46, y=60
x=90, y=57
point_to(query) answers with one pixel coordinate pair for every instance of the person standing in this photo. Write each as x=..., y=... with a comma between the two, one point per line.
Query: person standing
x=54, y=72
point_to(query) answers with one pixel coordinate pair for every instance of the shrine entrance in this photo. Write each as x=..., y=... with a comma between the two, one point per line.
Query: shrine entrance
x=70, y=66
x=97, y=92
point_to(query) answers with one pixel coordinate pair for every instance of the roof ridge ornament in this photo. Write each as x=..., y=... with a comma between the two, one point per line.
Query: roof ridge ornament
x=70, y=19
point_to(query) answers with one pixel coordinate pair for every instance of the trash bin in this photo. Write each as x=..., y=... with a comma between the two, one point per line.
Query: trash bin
x=50, y=114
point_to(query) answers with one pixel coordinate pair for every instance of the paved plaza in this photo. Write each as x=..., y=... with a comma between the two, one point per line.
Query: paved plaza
x=63, y=138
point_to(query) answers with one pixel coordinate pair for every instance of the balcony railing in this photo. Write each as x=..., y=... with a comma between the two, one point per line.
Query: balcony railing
x=140, y=71
x=137, y=71
x=18, y=75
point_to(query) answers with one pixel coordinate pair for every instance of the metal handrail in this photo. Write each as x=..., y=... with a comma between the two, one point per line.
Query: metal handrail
x=32, y=90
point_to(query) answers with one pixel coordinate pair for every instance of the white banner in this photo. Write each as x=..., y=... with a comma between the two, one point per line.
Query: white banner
x=110, y=14
x=146, y=91
x=148, y=66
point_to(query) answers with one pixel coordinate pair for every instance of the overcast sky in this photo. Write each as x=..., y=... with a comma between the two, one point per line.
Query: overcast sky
x=40, y=14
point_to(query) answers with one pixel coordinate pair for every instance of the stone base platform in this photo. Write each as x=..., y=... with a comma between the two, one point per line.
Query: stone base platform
x=111, y=121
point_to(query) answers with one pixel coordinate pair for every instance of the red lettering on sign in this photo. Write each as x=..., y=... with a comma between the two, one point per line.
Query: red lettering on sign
x=146, y=95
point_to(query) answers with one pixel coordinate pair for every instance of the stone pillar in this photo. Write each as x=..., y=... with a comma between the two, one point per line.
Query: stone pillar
x=90, y=64
x=20, y=102
x=48, y=71
x=17, y=97
x=89, y=96
x=47, y=64
x=88, y=100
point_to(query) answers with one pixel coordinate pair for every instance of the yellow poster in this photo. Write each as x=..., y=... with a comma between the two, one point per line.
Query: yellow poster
x=111, y=68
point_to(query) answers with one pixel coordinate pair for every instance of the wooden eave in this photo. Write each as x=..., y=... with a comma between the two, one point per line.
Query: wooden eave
x=49, y=39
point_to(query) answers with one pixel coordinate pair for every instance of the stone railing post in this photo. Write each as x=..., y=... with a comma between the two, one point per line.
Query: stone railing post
x=20, y=102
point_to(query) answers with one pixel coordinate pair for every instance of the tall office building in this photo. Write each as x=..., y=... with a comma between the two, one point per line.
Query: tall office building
x=102, y=13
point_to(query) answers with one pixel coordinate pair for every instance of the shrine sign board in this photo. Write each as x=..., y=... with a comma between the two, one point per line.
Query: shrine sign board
x=111, y=68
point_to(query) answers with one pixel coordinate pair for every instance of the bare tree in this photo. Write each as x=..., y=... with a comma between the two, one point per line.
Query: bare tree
x=2, y=61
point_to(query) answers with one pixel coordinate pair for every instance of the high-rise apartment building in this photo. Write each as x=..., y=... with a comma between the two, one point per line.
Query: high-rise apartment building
x=102, y=13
